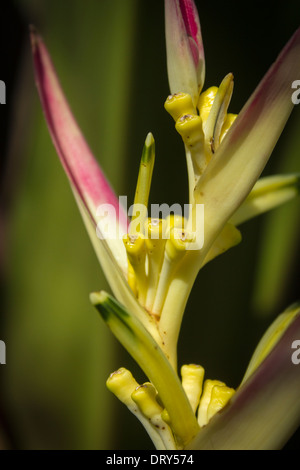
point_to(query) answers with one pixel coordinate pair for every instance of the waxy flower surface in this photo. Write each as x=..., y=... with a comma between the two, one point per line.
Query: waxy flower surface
x=151, y=263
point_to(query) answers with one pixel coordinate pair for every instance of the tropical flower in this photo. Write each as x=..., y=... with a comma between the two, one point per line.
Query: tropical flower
x=151, y=263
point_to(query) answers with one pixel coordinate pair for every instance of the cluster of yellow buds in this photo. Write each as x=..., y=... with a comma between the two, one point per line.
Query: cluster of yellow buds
x=203, y=127
x=153, y=254
x=155, y=247
x=206, y=399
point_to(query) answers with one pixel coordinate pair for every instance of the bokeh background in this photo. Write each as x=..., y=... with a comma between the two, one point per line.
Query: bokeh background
x=110, y=56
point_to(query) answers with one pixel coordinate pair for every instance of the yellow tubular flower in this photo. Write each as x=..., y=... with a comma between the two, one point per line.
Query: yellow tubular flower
x=229, y=120
x=192, y=379
x=205, y=400
x=205, y=102
x=155, y=230
x=179, y=104
x=145, y=397
x=136, y=253
x=123, y=385
x=220, y=396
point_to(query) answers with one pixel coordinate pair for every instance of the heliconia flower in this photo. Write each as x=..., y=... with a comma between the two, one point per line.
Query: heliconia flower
x=151, y=263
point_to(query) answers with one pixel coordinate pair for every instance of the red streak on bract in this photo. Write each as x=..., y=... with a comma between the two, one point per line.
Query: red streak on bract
x=189, y=13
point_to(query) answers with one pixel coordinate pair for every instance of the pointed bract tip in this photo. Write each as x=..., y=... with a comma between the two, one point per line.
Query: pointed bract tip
x=35, y=37
x=98, y=298
x=149, y=140
x=148, y=155
x=230, y=76
x=294, y=306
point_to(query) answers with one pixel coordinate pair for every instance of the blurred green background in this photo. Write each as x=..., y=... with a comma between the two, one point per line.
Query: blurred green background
x=110, y=57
